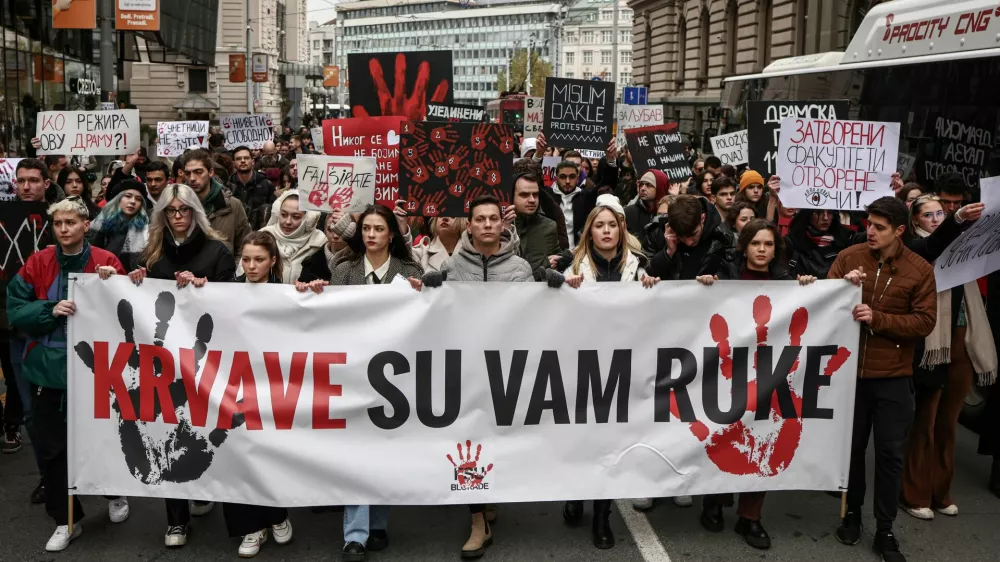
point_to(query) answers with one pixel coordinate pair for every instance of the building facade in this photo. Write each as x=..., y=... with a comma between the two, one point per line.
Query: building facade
x=482, y=39
x=587, y=42
x=683, y=49
x=322, y=42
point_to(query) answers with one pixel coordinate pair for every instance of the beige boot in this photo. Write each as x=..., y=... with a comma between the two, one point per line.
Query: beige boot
x=480, y=537
x=490, y=513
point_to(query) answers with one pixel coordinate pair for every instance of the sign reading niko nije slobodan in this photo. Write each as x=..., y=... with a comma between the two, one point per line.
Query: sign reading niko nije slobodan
x=579, y=114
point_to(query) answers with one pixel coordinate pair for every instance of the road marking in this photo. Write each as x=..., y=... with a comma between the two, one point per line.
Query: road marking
x=645, y=537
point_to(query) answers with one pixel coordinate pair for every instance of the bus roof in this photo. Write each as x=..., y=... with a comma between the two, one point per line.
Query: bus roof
x=905, y=32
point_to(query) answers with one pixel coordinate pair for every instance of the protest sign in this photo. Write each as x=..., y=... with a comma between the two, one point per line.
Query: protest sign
x=534, y=116
x=962, y=143
x=24, y=229
x=839, y=165
x=330, y=183
x=974, y=253
x=333, y=397
x=904, y=165
x=174, y=137
x=578, y=114
x=373, y=137
x=549, y=164
x=455, y=113
x=444, y=166
x=731, y=148
x=764, y=123
x=8, y=178
x=317, y=137
x=659, y=147
x=88, y=133
x=251, y=131
x=635, y=116
x=428, y=78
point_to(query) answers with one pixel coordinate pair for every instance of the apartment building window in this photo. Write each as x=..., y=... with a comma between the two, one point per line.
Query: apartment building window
x=606, y=57
x=764, y=35
x=198, y=80
x=328, y=44
x=607, y=15
x=625, y=37
x=570, y=74
x=588, y=57
x=625, y=77
x=626, y=57
x=570, y=58
x=588, y=75
x=732, y=16
x=571, y=37
x=316, y=45
x=327, y=58
x=703, y=37
x=607, y=36
x=588, y=37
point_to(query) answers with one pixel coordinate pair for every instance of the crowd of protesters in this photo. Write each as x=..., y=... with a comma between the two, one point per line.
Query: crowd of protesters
x=217, y=216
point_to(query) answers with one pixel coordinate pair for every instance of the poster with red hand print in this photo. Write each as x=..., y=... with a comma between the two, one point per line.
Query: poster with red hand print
x=444, y=166
x=401, y=84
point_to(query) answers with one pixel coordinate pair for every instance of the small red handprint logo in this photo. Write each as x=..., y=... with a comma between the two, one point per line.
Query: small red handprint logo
x=467, y=473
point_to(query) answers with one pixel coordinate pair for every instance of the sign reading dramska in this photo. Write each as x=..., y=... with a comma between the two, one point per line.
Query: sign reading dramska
x=578, y=114
x=764, y=125
x=382, y=395
x=90, y=133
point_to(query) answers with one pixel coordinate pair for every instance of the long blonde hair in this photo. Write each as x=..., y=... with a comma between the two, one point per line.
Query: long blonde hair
x=158, y=221
x=627, y=243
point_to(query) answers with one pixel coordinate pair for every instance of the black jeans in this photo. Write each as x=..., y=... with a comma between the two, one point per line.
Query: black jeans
x=883, y=407
x=13, y=412
x=49, y=414
x=242, y=519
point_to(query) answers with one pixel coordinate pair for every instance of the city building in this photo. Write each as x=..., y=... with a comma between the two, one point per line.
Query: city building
x=482, y=38
x=684, y=49
x=322, y=41
x=587, y=42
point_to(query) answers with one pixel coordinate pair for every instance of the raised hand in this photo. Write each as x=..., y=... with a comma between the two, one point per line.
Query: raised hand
x=467, y=470
x=414, y=106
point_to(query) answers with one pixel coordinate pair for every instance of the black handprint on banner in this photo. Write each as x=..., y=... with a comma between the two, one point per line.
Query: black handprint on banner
x=168, y=450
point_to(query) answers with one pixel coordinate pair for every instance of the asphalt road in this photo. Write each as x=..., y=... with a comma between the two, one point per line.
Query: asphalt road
x=801, y=525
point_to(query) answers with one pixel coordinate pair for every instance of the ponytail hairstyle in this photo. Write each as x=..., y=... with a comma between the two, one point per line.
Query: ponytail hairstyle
x=266, y=240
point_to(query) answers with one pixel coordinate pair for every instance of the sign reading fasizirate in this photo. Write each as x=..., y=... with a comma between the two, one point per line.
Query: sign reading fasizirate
x=251, y=131
x=579, y=113
x=90, y=133
x=173, y=137
x=330, y=183
x=838, y=165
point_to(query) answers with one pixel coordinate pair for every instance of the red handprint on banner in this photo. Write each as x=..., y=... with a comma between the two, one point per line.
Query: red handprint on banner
x=418, y=172
x=413, y=198
x=340, y=198
x=505, y=141
x=406, y=127
x=734, y=448
x=467, y=470
x=457, y=158
x=434, y=205
x=444, y=135
x=412, y=107
x=471, y=195
x=460, y=184
x=440, y=161
x=479, y=136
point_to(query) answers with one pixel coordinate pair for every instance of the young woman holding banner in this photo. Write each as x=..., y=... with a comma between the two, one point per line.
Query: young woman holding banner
x=295, y=232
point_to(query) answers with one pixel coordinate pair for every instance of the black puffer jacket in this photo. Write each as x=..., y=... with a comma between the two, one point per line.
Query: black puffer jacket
x=256, y=193
x=198, y=254
x=804, y=256
x=733, y=270
x=706, y=258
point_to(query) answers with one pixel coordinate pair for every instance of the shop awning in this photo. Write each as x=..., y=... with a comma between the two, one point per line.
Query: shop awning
x=196, y=102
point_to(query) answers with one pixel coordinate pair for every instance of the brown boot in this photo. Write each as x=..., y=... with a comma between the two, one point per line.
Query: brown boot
x=490, y=513
x=480, y=538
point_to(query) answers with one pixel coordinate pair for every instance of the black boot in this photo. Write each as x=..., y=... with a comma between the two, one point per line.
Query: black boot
x=38, y=494
x=711, y=517
x=995, y=476
x=754, y=533
x=887, y=547
x=573, y=512
x=604, y=537
x=849, y=532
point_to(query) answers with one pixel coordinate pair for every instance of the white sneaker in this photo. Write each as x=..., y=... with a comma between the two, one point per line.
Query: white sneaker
x=924, y=513
x=118, y=509
x=683, y=501
x=176, y=536
x=282, y=532
x=251, y=543
x=61, y=538
x=950, y=510
x=642, y=504
x=199, y=509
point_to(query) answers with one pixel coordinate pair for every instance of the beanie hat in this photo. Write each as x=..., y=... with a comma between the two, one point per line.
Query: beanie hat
x=609, y=201
x=749, y=178
x=117, y=188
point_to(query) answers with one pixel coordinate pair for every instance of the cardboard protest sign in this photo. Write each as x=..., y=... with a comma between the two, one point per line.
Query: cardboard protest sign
x=731, y=148
x=962, y=142
x=635, y=116
x=251, y=131
x=764, y=122
x=659, y=147
x=444, y=166
x=400, y=84
x=174, y=137
x=330, y=183
x=579, y=114
x=8, y=179
x=549, y=164
x=317, y=137
x=374, y=137
x=534, y=116
x=455, y=113
x=24, y=229
x=840, y=165
x=974, y=253
x=90, y=133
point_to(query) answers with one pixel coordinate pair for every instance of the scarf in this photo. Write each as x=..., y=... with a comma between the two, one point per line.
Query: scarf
x=820, y=239
x=297, y=246
x=111, y=220
x=978, y=336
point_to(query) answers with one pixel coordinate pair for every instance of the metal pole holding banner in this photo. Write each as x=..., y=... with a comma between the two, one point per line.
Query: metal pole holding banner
x=614, y=50
x=249, y=63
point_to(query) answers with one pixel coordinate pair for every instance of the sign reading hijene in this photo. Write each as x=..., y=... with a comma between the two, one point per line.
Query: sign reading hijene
x=363, y=380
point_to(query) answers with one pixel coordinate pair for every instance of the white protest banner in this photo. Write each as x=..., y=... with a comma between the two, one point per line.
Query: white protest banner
x=251, y=131
x=8, y=178
x=534, y=116
x=974, y=253
x=359, y=395
x=88, y=133
x=830, y=164
x=635, y=117
x=329, y=183
x=317, y=137
x=731, y=148
x=174, y=137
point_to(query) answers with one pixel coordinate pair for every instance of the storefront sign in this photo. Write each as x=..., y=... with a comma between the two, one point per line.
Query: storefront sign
x=84, y=86
x=73, y=14
x=331, y=76
x=260, y=68
x=237, y=68
x=137, y=15
x=88, y=133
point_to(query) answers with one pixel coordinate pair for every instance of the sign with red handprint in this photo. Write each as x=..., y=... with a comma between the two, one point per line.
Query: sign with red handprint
x=400, y=84
x=371, y=137
x=443, y=163
x=331, y=183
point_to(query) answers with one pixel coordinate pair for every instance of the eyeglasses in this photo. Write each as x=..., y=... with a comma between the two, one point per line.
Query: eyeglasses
x=932, y=215
x=176, y=212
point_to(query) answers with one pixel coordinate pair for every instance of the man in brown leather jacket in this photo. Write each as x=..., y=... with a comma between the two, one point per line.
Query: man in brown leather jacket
x=898, y=308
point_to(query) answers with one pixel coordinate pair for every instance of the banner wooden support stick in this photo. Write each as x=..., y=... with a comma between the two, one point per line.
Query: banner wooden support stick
x=843, y=504
x=70, y=496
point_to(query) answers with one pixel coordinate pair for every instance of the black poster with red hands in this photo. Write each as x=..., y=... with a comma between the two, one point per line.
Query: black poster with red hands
x=444, y=166
x=400, y=84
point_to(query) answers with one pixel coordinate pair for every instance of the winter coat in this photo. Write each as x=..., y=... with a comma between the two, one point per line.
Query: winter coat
x=733, y=270
x=227, y=217
x=539, y=239
x=202, y=256
x=254, y=194
x=41, y=283
x=576, y=206
x=903, y=297
x=609, y=271
x=467, y=264
x=353, y=272
x=707, y=258
x=298, y=246
x=807, y=258
x=430, y=253
x=317, y=266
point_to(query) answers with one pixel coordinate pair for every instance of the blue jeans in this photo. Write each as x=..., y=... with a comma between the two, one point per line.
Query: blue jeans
x=17, y=346
x=358, y=519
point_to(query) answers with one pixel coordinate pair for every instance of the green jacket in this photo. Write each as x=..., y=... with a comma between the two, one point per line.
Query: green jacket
x=539, y=239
